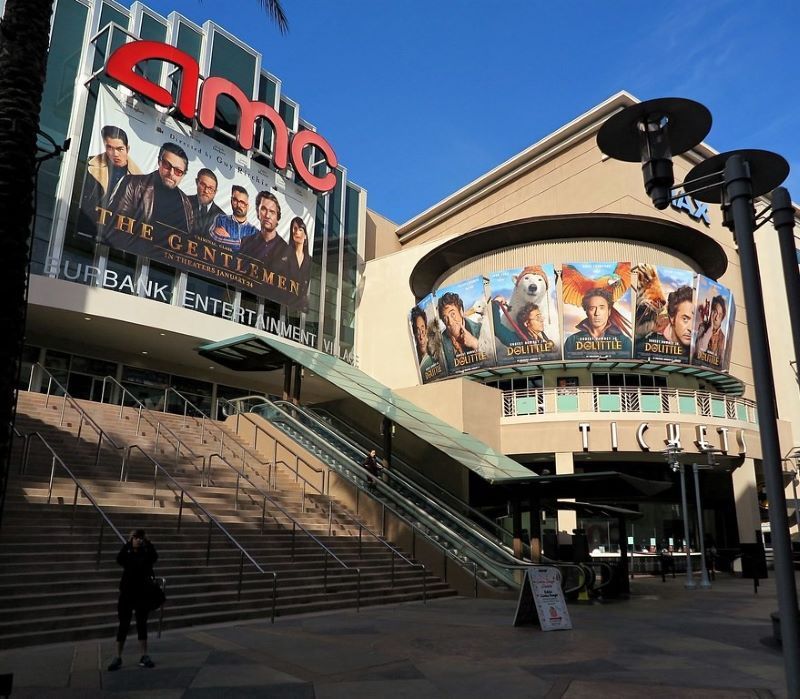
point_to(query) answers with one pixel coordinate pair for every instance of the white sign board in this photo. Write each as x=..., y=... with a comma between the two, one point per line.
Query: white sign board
x=541, y=591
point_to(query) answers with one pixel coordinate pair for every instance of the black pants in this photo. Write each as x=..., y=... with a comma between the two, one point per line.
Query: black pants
x=125, y=608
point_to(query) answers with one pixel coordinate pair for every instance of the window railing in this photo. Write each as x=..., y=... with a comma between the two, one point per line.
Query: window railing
x=607, y=399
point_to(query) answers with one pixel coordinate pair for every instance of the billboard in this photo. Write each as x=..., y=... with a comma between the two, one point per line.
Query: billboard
x=712, y=320
x=609, y=310
x=427, y=336
x=467, y=337
x=596, y=306
x=664, y=313
x=525, y=314
x=155, y=187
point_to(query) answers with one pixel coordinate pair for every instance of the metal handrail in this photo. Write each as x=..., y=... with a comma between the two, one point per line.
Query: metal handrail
x=499, y=568
x=212, y=522
x=84, y=416
x=416, y=528
x=207, y=420
x=79, y=488
x=406, y=480
x=419, y=511
x=295, y=524
x=143, y=411
x=288, y=447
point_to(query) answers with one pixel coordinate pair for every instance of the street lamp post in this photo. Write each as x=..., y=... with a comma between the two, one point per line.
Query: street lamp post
x=783, y=220
x=705, y=583
x=671, y=454
x=731, y=179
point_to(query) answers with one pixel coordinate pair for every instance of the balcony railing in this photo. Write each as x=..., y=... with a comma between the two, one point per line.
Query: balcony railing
x=667, y=401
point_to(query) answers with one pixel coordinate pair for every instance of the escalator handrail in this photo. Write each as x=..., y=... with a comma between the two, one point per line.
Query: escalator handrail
x=487, y=562
x=503, y=533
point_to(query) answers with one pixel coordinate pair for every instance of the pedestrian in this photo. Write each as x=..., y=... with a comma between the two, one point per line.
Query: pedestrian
x=373, y=467
x=136, y=557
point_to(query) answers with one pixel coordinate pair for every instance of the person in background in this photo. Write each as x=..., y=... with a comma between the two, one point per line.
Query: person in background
x=373, y=466
x=136, y=557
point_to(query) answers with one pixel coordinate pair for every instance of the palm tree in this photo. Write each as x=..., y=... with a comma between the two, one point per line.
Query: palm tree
x=24, y=39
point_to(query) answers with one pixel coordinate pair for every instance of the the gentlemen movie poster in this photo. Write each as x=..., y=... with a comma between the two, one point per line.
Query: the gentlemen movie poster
x=525, y=315
x=711, y=329
x=426, y=335
x=467, y=338
x=664, y=313
x=156, y=188
x=596, y=306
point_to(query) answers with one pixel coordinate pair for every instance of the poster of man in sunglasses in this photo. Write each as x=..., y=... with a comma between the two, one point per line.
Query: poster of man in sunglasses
x=161, y=215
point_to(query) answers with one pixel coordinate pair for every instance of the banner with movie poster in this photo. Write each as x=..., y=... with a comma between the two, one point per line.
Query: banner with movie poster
x=466, y=323
x=525, y=315
x=597, y=310
x=156, y=188
x=712, y=320
x=427, y=336
x=664, y=313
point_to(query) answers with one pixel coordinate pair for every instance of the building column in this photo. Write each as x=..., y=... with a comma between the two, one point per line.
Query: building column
x=745, y=494
x=567, y=520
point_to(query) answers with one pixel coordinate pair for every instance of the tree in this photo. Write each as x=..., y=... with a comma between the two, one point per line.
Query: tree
x=24, y=40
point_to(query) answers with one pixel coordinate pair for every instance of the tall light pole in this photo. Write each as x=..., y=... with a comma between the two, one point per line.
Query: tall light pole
x=671, y=454
x=705, y=583
x=653, y=131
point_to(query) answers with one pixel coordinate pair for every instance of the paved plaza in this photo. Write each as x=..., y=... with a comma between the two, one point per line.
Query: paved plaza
x=663, y=642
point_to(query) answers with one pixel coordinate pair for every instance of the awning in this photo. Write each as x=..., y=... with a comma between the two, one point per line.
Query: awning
x=593, y=509
x=254, y=353
x=610, y=485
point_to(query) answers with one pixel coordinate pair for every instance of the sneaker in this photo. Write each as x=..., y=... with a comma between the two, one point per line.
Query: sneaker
x=145, y=661
x=116, y=664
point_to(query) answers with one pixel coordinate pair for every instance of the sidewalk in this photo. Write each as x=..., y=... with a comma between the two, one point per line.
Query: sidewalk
x=664, y=642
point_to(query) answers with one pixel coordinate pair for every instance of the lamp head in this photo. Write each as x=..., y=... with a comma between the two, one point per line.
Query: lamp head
x=767, y=170
x=652, y=132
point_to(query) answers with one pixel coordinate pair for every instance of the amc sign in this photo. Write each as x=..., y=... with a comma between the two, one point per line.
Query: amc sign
x=194, y=101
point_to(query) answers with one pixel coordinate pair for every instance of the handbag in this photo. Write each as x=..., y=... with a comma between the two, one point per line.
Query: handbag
x=154, y=595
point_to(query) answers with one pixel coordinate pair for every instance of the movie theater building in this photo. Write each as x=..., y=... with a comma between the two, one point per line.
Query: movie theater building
x=545, y=310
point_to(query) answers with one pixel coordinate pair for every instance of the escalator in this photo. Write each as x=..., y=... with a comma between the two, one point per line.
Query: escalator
x=481, y=552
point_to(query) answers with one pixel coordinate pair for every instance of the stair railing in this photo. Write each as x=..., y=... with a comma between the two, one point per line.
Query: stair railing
x=159, y=427
x=295, y=525
x=240, y=450
x=183, y=495
x=102, y=435
x=504, y=570
x=55, y=459
x=395, y=553
x=408, y=474
x=276, y=442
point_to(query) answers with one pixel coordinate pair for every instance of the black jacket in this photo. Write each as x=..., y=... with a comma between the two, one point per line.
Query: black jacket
x=137, y=568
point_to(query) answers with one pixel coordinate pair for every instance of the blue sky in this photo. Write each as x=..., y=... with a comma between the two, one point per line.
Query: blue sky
x=419, y=98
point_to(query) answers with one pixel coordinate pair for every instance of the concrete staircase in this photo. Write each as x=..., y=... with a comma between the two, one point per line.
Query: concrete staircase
x=53, y=588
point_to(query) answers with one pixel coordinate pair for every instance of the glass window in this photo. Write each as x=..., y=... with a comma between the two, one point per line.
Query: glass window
x=63, y=63
x=120, y=272
x=248, y=309
x=160, y=282
x=332, y=279
x=209, y=297
x=288, y=112
x=228, y=60
x=95, y=367
x=152, y=29
x=349, y=268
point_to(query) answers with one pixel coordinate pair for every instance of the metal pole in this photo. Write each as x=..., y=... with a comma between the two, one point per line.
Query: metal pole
x=689, y=584
x=738, y=187
x=705, y=583
x=783, y=220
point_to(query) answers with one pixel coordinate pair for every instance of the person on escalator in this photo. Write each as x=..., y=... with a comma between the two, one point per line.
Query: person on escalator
x=373, y=466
